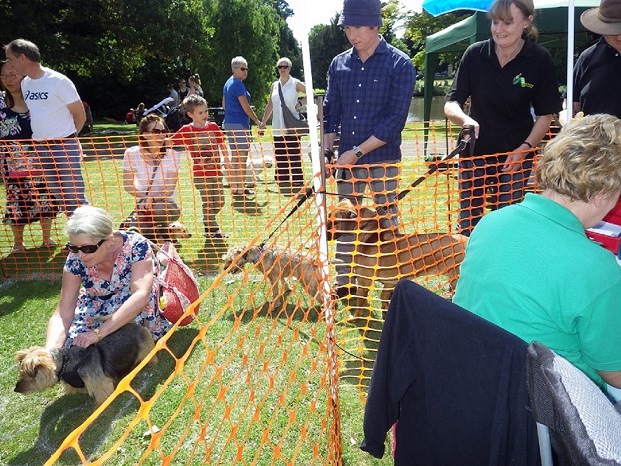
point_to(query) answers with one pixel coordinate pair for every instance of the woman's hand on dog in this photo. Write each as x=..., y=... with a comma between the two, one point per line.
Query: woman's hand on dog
x=85, y=339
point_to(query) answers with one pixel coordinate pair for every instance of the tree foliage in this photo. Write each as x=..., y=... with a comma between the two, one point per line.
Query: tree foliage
x=324, y=42
x=122, y=52
x=418, y=26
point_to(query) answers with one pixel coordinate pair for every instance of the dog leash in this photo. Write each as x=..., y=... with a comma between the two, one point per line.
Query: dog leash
x=308, y=192
x=464, y=140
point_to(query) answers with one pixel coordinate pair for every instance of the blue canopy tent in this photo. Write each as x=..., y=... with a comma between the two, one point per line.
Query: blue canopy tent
x=551, y=21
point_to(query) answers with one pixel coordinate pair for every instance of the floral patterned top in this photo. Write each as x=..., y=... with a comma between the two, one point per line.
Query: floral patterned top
x=13, y=125
x=17, y=159
x=99, y=297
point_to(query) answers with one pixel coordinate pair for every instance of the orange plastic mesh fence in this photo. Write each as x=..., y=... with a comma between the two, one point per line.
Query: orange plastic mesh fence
x=260, y=376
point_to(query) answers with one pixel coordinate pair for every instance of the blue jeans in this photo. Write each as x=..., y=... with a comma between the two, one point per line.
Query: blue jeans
x=61, y=165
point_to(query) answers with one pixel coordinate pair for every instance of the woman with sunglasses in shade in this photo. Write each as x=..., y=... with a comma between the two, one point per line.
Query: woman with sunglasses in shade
x=27, y=197
x=237, y=116
x=150, y=174
x=287, y=147
x=108, y=281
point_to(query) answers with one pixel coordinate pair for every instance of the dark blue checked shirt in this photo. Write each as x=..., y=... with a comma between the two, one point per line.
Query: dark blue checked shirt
x=370, y=99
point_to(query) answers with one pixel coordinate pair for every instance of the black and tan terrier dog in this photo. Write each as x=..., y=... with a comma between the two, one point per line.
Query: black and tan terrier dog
x=96, y=369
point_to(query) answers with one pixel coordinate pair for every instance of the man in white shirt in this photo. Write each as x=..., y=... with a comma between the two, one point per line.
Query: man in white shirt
x=57, y=116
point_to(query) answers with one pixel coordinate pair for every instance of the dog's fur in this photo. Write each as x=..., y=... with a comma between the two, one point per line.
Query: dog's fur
x=277, y=264
x=177, y=230
x=381, y=255
x=173, y=232
x=96, y=369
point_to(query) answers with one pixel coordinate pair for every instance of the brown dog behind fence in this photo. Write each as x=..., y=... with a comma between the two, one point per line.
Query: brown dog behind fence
x=383, y=256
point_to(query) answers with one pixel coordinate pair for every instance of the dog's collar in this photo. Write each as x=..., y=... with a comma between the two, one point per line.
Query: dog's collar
x=72, y=377
x=261, y=249
x=63, y=367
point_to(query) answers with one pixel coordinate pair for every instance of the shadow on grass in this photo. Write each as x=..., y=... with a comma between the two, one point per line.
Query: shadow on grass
x=14, y=297
x=249, y=206
x=276, y=310
x=209, y=257
x=68, y=412
x=43, y=259
x=358, y=358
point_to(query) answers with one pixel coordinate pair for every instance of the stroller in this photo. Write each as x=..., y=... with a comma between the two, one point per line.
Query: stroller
x=171, y=116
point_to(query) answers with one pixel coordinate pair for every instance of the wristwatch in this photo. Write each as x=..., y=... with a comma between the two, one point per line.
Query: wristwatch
x=357, y=151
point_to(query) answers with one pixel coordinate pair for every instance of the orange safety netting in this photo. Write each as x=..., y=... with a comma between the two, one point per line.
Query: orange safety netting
x=258, y=377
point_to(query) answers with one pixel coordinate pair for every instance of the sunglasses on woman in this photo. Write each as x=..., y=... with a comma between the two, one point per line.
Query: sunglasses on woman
x=86, y=249
x=283, y=67
x=157, y=131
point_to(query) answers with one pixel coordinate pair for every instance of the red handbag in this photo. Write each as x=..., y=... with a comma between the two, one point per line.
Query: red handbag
x=178, y=287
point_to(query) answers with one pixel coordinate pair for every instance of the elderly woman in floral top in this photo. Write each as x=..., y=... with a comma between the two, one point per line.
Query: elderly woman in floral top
x=108, y=281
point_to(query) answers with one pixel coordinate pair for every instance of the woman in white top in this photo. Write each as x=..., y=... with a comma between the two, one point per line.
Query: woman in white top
x=287, y=147
x=150, y=174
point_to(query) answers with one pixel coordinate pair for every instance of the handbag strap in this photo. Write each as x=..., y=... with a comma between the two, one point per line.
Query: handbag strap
x=155, y=169
x=286, y=112
x=282, y=97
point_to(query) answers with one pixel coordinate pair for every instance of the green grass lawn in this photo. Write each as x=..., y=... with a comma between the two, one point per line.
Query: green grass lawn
x=248, y=381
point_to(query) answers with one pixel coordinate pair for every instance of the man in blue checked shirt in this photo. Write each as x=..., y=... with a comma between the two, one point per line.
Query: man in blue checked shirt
x=370, y=88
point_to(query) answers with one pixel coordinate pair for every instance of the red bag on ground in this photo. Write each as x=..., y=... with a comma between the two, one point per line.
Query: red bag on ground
x=178, y=287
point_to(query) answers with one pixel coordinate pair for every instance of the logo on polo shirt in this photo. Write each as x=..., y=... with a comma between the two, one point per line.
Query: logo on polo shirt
x=520, y=81
x=36, y=95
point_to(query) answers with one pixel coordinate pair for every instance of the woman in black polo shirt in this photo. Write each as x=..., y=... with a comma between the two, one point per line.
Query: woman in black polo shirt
x=506, y=78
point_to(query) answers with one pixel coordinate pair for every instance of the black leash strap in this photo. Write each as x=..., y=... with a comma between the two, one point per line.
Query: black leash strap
x=308, y=192
x=464, y=141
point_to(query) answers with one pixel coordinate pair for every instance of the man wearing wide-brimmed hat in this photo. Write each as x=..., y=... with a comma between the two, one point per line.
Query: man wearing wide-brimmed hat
x=597, y=71
x=370, y=88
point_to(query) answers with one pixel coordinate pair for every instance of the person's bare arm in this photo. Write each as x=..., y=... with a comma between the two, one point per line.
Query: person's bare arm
x=455, y=114
x=301, y=88
x=268, y=111
x=79, y=115
x=611, y=378
x=243, y=101
x=540, y=128
x=128, y=183
x=328, y=140
x=59, y=323
x=350, y=158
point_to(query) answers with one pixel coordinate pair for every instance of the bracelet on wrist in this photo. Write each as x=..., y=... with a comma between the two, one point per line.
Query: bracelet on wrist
x=96, y=332
x=530, y=146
